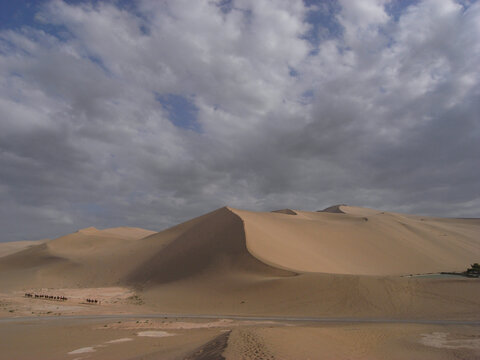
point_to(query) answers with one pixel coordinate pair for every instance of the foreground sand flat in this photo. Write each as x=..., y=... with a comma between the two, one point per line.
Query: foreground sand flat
x=109, y=339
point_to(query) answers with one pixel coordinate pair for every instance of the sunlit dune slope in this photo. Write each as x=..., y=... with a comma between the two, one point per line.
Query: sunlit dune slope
x=93, y=242
x=88, y=257
x=352, y=240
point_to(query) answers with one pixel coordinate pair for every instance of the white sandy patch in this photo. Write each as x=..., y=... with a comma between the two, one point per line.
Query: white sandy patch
x=118, y=340
x=440, y=340
x=88, y=349
x=154, y=333
x=175, y=325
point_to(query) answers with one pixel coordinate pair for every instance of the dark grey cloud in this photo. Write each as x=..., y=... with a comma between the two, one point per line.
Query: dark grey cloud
x=370, y=107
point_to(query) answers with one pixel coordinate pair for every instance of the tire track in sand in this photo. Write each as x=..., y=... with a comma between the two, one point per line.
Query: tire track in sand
x=212, y=350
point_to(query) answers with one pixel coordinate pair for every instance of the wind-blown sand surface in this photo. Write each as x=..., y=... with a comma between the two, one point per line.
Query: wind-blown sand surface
x=342, y=262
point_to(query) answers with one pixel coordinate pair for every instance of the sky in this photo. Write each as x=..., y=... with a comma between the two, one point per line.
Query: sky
x=148, y=113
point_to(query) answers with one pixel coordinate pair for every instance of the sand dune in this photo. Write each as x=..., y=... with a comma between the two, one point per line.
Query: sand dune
x=214, y=242
x=8, y=248
x=359, y=241
x=88, y=257
x=344, y=261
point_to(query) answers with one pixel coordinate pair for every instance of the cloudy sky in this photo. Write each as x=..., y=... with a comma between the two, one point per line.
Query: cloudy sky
x=147, y=113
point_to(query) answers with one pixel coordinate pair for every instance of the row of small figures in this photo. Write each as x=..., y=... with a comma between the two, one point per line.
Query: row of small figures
x=49, y=297
x=95, y=301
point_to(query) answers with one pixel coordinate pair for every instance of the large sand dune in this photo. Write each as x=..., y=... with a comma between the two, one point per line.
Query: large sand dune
x=344, y=261
x=352, y=240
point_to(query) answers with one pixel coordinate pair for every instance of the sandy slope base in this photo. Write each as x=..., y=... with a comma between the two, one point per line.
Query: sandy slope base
x=321, y=295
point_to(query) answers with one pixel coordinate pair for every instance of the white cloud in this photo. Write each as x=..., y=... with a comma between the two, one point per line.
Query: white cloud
x=384, y=115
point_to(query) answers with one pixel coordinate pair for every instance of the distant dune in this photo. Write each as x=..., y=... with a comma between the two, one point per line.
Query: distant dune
x=7, y=248
x=88, y=257
x=344, y=260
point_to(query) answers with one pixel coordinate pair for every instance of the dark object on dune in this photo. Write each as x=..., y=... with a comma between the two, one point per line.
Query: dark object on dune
x=474, y=270
x=285, y=211
x=333, y=209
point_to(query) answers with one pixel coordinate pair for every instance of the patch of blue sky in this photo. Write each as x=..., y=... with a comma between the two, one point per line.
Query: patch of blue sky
x=15, y=15
x=225, y=6
x=323, y=21
x=292, y=72
x=18, y=13
x=181, y=110
x=307, y=97
x=396, y=8
x=99, y=62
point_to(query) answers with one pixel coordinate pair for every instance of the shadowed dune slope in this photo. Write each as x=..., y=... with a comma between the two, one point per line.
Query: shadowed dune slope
x=333, y=209
x=360, y=241
x=213, y=243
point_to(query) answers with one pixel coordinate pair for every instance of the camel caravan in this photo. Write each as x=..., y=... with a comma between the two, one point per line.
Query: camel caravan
x=58, y=298
x=48, y=297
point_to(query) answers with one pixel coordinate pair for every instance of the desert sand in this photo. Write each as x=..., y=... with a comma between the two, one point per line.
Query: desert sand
x=344, y=262
x=7, y=248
